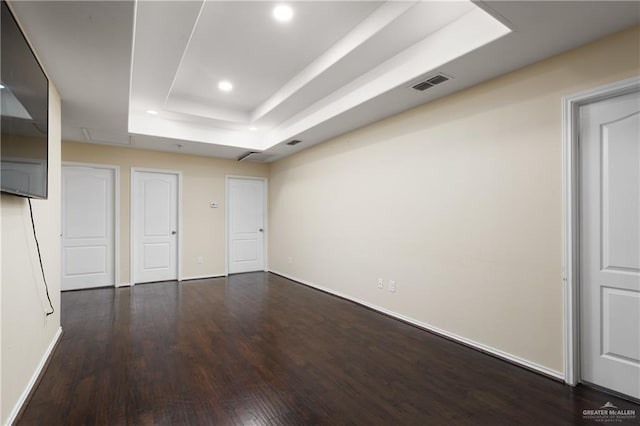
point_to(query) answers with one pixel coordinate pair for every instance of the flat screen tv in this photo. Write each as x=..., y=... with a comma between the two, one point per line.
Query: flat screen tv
x=24, y=103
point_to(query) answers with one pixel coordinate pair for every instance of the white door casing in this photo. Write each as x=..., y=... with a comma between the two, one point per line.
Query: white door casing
x=245, y=224
x=154, y=222
x=610, y=243
x=88, y=227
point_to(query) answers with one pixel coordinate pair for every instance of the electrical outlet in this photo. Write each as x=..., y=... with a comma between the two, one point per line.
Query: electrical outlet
x=199, y=259
x=290, y=259
x=380, y=283
x=392, y=286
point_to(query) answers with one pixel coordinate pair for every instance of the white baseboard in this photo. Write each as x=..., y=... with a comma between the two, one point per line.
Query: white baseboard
x=203, y=277
x=472, y=343
x=34, y=377
x=123, y=285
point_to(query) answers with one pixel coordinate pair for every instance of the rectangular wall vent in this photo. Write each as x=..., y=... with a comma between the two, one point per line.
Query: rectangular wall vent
x=294, y=142
x=431, y=81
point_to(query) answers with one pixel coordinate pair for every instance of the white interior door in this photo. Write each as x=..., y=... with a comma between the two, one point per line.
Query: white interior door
x=88, y=231
x=610, y=243
x=245, y=225
x=155, y=226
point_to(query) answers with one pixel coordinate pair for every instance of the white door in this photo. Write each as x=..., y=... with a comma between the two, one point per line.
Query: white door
x=88, y=231
x=610, y=243
x=155, y=226
x=246, y=224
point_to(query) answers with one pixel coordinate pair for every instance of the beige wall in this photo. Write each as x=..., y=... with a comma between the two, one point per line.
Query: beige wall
x=203, y=181
x=458, y=200
x=26, y=332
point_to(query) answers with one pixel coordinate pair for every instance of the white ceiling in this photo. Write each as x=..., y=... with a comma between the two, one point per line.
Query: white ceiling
x=240, y=42
x=336, y=66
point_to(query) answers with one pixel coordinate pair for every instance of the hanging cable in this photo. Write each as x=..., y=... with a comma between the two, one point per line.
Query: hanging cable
x=35, y=237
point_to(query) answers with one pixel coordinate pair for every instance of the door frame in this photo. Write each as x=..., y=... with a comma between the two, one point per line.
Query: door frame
x=116, y=213
x=571, y=215
x=132, y=222
x=227, y=222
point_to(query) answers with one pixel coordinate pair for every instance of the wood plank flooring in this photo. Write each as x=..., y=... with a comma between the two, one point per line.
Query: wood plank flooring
x=258, y=349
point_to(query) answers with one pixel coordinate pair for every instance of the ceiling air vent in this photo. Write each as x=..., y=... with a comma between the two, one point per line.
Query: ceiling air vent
x=294, y=142
x=431, y=81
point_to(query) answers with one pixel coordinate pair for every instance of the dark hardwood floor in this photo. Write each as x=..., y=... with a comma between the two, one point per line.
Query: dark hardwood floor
x=258, y=349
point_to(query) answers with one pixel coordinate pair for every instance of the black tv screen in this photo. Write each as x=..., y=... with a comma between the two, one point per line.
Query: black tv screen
x=24, y=99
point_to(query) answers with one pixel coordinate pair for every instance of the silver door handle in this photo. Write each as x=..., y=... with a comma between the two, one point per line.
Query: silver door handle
x=173, y=232
x=261, y=230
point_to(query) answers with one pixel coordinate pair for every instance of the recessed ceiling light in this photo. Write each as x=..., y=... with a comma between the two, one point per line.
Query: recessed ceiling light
x=253, y=129
x=225, y=86
x=152, y=112
x=282, y=13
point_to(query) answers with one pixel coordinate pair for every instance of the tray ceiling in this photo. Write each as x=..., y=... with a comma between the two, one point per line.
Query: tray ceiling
x=333, y=67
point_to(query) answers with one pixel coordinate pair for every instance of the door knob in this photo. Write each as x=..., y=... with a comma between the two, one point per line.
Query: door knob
x=173, y=232
x=261, y=230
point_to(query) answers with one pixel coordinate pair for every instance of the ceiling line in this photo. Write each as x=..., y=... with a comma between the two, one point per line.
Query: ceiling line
x=184, y=53
x=482, y=4
x=133, y=48
x=377, y=20
x=398, y=68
